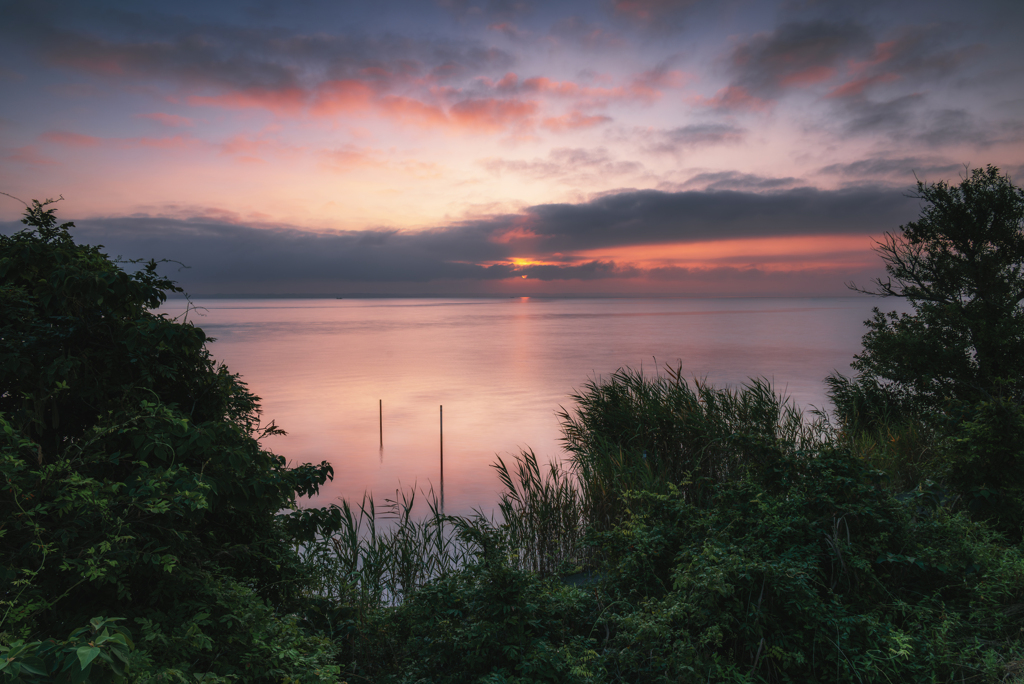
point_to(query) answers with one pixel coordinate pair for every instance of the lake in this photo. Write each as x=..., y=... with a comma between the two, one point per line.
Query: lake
x=501, y=368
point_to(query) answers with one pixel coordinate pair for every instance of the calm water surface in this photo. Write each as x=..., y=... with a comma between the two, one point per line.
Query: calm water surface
x=500, y=367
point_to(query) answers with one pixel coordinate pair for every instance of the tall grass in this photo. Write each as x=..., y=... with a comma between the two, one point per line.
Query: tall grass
x=629, y=432
x=381, y=555
x=882, y=426
x=543, y=514
x=640, y=432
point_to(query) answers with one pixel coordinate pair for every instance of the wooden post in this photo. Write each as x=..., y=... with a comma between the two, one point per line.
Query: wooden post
x=380, y=406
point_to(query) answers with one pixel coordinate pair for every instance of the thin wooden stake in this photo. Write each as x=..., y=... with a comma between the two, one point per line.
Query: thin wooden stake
x=380, y=406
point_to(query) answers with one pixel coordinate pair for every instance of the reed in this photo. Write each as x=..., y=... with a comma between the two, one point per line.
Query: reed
x=641, y=432
x=543, y=515
x=883, y=426
x=631, y=432
x=381, y=555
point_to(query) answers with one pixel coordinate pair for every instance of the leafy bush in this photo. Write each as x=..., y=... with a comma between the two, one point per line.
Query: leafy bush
x=98, y=653
x=811, y=574
x=132, y=481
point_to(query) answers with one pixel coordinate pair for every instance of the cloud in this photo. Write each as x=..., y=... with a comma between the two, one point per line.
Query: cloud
x=918, y=56
x=735, y=98
x=573, y=164
x=654, y=15
x=892, y=116
x=647, y=87
x=227, y=255
x=66, y=139
x=734, y=180
x=169, y=120
x=793, y=55
x=690, y=136
x=234, y=66
x=29, y=154
x=900, y=168
x=574, y=121
x=588, y=35
x=490, y=10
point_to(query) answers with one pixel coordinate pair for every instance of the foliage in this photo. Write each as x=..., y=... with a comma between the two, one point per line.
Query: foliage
x=381, y=556
x=986, y=460
x=883, y=426
x=944, y=384
x=811, y=574
x=543, y=515
x=488, y=622
x=637, y=432
x=235, y=636
x=961, y=266
x=798, y=566
x=132, y=481
x=98, y=653
x=721, y=535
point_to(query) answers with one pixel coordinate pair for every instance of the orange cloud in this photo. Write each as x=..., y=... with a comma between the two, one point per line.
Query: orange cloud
x=515, y=234
x=773, y=254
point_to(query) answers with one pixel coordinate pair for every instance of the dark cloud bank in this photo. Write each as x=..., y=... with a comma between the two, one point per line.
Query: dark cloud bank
x=230, y=258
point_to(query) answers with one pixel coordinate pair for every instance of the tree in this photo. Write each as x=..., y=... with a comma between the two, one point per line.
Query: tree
x=960, y=267
x=132, y=479
x=956, y=364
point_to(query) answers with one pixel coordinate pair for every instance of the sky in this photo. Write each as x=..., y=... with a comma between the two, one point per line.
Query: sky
x=490, y=147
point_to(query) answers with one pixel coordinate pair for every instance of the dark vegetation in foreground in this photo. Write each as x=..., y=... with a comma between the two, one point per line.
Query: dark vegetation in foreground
x=696, y=534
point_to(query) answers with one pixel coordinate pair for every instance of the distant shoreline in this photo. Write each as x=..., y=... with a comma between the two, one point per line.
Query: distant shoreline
x=553, y=295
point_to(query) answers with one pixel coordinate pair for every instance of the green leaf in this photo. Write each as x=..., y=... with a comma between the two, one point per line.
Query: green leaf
x=33, y=665
x=87, y=654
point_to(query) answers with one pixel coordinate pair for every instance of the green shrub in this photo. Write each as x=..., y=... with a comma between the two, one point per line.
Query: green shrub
x=132, y=480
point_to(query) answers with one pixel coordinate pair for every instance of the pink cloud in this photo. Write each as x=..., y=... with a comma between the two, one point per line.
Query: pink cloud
x=177, y=142
x=735, y=97
x=335, y=97
x=409, y=110
x=647, y=86
x=492, y=114
x=573, y=121
x=251, y=149
x=287, y=101
x=29, y=154
x=67, y=139
x=856, y=88
x=809, y=76
x=347, y=158
x=648, y=10
x=882, y=53
x=508, y=29
x=169, y=120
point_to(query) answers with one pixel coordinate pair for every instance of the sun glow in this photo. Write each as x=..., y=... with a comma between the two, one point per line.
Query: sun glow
x=774, y=254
